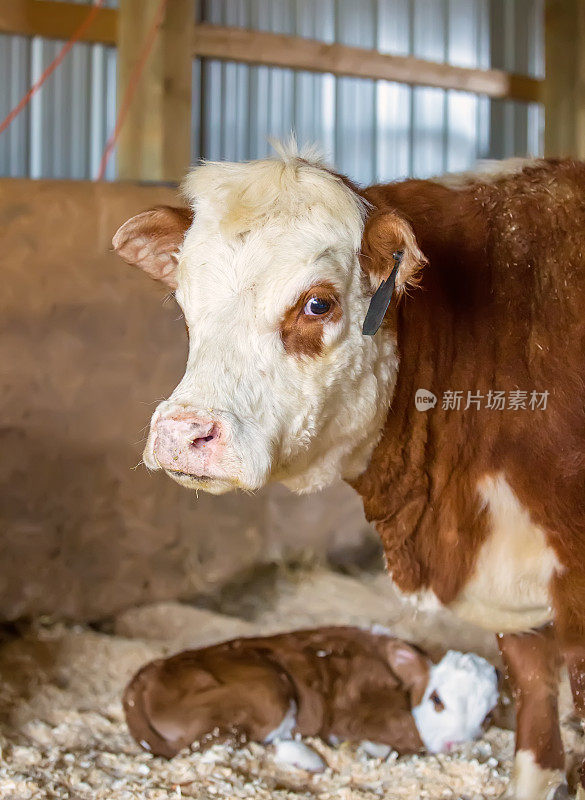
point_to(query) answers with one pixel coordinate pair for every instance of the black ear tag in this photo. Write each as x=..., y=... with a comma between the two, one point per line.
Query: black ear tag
x=381, y=300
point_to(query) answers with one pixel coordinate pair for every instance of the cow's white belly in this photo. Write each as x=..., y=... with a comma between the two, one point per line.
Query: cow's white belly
x=509, y=588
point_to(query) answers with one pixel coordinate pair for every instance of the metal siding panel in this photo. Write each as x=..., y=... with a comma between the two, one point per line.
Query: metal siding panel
x=259, y=82
x=393, y=100
x=499, y=117
x=110, y=108
x=259, y=87
x=212, y=89
x=35, y=106
x=14, y=74
x=325, y=20
x=535, y=121
x=428, y=134
x=97, y=117
x=393, y=118
x=61, y=134
x=393, y=31
x=314, y=95
x=483, y=60
x=234, y=101
x=328, y=107
x=518, y=59
x=355, y=142
x=212, y=117
x=536, y=130
x=516, y=130
x=463, y=32
x=196, y=84
x=428, y=104
x=463, y=35
x=462, y=133
x=306, y=85
x=78, y=135
x=281, y=97
x=282, y=16
x=429, y=29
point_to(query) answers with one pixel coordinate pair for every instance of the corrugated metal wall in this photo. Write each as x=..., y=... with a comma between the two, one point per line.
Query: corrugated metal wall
x=63, y=130
x=372, y=130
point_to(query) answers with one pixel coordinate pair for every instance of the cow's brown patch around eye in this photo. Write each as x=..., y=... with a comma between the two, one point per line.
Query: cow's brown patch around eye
x=302, y=334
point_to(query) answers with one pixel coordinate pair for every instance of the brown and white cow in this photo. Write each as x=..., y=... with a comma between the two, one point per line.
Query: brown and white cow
x=482, y=508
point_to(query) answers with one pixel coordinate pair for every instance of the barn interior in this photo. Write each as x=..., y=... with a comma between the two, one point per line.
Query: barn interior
x=103, y=565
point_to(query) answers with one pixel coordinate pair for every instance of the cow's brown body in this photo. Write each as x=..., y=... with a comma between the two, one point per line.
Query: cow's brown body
x=501, y=306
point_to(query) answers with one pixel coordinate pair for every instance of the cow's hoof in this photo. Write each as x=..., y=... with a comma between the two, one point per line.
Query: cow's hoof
x=559, y=792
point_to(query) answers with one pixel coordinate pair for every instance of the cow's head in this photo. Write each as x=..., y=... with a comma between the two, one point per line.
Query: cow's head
x=274, y=270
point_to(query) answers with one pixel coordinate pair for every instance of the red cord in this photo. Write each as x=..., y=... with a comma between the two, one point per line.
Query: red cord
x=52, y=66
x=133, y=82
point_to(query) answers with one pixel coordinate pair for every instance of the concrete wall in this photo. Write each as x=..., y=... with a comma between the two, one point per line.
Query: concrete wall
x=87, y=348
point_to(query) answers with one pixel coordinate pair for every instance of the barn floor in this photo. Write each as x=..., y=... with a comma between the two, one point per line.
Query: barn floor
x=63, y=734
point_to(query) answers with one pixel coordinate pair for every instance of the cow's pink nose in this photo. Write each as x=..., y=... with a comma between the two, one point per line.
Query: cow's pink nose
x=187, y=443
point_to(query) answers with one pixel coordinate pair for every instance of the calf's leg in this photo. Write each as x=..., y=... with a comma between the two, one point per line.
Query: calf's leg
x=532, y=663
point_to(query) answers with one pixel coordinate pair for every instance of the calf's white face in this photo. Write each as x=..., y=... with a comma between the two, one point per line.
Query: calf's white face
x=274, y=271
x=462, y=690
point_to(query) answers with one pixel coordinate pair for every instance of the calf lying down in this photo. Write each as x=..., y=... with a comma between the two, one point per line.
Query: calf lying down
x=339, y=683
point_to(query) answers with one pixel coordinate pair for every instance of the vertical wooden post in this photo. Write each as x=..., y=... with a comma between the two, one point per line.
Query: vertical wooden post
x=564, y=88
x=155, y=141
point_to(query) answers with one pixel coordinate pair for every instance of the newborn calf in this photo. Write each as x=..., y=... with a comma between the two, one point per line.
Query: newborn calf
x=339, y=683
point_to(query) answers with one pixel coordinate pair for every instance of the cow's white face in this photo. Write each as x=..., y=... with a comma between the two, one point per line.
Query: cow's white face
x=280, y=383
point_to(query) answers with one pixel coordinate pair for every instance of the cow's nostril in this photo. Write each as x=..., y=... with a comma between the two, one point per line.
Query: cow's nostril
x=201, y=441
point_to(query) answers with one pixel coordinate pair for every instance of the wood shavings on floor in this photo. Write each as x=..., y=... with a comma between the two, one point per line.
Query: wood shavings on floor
x=63, y=734
x=91, y=773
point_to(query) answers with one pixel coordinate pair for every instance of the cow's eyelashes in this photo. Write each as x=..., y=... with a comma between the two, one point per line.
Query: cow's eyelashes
x=316, y=307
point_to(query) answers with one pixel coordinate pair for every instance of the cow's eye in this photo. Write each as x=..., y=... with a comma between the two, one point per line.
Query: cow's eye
x=316, y=306
x=437, y=702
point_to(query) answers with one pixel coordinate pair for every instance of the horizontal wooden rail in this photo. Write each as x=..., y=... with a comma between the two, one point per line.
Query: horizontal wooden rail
x=295, y=52
x=59, y=20
x=56, y=20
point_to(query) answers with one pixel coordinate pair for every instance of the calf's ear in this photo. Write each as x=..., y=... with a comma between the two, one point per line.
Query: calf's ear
x=151, y=240
x=387, y=240
x=412, y=667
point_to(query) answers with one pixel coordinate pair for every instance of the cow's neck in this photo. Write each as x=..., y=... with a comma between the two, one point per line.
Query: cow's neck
x=418, y=502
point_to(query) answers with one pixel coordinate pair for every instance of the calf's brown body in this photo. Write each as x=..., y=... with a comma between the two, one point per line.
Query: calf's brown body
x=343, y=682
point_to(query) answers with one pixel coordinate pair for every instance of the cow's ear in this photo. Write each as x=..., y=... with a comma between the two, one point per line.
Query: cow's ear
x=387, y=239
x=152, y=239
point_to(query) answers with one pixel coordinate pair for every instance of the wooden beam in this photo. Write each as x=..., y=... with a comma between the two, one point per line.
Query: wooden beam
x=295, y=52
x=56, y=20
x=155, y=140
x=59, y=19
x=564, y=88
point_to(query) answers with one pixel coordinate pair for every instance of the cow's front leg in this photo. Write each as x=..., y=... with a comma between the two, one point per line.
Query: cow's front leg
x=532, y=663
x=575, y=660
x=569, y=603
